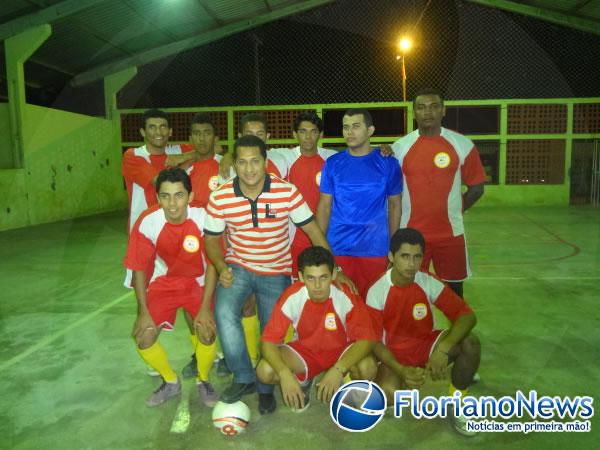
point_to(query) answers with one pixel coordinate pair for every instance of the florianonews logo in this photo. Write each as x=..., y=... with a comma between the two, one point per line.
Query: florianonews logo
x=358, y=406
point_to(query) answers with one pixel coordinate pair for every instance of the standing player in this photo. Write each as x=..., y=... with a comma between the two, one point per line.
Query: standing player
x=302, y=166
x=141, y=165
x=169, y=236
x=359, y=207
x=256, y=125
x=333, y=333
x=255, y=209
x=401, y=302
x=204, y=174
x=435, y=163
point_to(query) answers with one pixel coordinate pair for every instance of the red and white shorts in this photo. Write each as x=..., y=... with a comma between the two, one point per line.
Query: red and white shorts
x=163, y=304
x=450, y=258
x=417, y=353
x=314, y=362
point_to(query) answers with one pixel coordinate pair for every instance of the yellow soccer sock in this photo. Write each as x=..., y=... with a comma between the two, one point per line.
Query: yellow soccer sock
x=156, y=357
x=452, y=390
x=250, y=325
x=205, y=356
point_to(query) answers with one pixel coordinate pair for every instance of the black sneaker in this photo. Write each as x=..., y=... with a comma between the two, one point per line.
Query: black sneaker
x=266, y=403
x=306, y=391
x=222, y=369
x=191, y=369
x=236, y=391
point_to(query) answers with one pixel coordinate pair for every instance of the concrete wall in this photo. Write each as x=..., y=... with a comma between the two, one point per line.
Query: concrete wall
x=71, y=169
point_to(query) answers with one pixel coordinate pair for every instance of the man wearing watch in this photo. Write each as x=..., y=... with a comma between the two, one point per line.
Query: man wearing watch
x=410, y=348
x=333, y=334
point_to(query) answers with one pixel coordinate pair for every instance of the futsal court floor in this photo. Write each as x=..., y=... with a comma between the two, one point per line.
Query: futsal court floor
x=71, y=379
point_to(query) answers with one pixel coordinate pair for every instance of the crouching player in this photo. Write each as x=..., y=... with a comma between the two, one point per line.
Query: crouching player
x=169, y=235
x=332, y=329
x=401, y=302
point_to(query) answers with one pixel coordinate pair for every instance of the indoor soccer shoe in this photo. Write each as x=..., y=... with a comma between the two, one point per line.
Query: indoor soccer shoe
x=306, y=391
x=222, y=369
x=266, y=404
x=236, y=391
x=459, y=423
x=191, y=369
x=164, y=392
x=207, y=394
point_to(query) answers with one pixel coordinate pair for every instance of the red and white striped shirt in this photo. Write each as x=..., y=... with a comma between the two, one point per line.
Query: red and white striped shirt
x=258, y=230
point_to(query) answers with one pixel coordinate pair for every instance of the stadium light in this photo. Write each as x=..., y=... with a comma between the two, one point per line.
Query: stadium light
x=404, y=45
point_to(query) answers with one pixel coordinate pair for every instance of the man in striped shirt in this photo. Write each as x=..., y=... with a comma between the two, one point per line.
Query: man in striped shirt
x=255, y=209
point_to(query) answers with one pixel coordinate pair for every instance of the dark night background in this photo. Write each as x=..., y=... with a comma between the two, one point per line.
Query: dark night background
x=345, y=52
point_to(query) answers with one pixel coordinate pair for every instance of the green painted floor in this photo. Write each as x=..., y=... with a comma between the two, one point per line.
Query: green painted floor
x=71, y=379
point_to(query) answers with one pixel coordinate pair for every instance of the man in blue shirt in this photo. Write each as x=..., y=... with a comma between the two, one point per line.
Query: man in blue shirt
x=359, y=207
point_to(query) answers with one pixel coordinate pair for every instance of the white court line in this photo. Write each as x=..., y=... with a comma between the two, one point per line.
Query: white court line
x=6, y=364
x=181, y=421
x=476, y=278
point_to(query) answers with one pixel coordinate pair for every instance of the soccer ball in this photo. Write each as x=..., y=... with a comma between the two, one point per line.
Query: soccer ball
x=231, y=418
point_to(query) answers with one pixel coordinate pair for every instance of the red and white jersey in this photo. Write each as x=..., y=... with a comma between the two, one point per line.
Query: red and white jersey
x=321, y=326
x=434, y=169
x=177, y=251
x=139, y=168
x=258, y=230
x=402, y=315
x=205, y=179
x=305, y=173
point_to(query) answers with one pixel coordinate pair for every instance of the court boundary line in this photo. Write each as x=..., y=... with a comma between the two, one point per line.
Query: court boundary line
x=48, y=340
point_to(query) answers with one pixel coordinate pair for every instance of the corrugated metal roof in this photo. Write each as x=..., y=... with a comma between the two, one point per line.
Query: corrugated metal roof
x=93, y=38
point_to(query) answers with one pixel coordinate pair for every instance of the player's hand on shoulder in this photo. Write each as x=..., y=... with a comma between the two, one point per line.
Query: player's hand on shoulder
x=225, y=165
x=386, y=150
x=341, y=278
x=174, y=160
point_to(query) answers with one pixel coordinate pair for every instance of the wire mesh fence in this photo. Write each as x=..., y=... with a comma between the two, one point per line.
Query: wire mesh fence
x=346, y=52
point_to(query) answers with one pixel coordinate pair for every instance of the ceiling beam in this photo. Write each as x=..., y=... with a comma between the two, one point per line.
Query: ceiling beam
x=566, y=20
x=46, y=15
x=579, y=5
x=174, y=48
x=210, y=13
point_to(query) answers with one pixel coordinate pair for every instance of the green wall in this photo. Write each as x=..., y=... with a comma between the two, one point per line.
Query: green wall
x=6, y=159
x=528, y=195
x=71, y=169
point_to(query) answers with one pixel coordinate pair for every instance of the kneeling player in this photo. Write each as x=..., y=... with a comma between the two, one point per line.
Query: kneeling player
x=169, y=236
x=333, y=334
x=401, y=302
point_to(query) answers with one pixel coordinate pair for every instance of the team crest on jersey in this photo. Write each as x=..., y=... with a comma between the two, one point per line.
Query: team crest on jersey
x=318, y=179
x=330, y=322
x=419, y=311
x=213, y=183
x=191, y=244
x=441, y=160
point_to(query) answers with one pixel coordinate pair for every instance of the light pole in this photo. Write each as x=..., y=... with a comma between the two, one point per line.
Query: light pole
x=404, y=45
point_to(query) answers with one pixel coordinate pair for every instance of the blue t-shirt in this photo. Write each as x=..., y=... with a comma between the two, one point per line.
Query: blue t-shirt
x=360, y=186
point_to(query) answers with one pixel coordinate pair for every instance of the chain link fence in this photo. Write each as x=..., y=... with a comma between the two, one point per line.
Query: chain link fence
x=346, y=52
